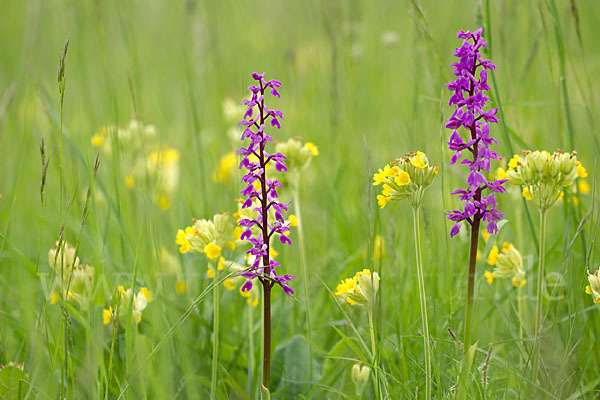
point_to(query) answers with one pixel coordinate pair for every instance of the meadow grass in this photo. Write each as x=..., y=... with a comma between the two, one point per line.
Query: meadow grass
x=364, y=82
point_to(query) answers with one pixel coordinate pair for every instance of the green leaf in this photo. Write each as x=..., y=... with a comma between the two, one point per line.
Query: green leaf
x=10, y=379
x=264, y=393
x=465, y=373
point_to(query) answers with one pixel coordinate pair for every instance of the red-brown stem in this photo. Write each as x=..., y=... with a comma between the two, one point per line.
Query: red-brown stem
x=474, y=235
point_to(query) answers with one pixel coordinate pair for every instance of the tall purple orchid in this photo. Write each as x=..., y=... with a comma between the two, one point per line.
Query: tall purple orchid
x=470, y=100
x=259, y=187
x=469, y=97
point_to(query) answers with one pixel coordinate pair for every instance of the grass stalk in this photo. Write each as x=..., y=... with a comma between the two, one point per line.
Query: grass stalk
x=304, y=271
x=423, y=301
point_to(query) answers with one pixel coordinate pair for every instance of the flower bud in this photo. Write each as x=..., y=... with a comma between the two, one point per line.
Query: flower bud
x=360, y=377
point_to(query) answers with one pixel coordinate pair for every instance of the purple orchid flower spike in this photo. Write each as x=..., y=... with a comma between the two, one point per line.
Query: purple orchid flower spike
x=470, y=100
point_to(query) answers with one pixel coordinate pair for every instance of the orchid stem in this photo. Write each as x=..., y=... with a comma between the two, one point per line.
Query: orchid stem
x=471, y=281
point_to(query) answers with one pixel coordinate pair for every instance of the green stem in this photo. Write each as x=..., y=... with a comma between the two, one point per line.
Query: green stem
x=267, y=335
x=215, y=360
x=296, y=199
x=423, y=300
x=250, y=347
x=520, y=311
x=538, y=305
x=374, y=352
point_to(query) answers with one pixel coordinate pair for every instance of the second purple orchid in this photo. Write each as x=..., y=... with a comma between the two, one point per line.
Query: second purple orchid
x=469, y=97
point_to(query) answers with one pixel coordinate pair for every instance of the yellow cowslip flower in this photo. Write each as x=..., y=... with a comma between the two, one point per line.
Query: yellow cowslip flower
x=382, y=175
x=501, y=173
x=514, y=162
x=527, y=193
x=163, y=202
x=477, y=255
x=402, y=179
x=97, y=140
x=146, y=293
x=293, y=220
x=212, y=250
x=506, y=247
x=221, y=265
x=508, y=263
x=493, y=256
x=107, y=315
x=485, y=235
x=382, y=200
x=226, y=167
x=314, y=150
x=54, y=298
x=129, y=180
x=583, y=186
x=180, y=287
x=162, y=157
x=387, y=190
x=581, y=172
x=561, y=195
x=211, y=273
x=182, y=241
x=120, y=290
x=273, y=253
x=361, y=288
x=594, y=285
x=419, y=160
x=489, y=276
x=229, y=284
x=518, y=284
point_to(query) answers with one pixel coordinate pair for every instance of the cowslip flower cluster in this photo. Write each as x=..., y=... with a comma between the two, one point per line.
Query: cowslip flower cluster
x=360, y=289
x=145, y=158
x=360, y=377
x=594, y=285
x=469, y=97
x=544, y=175
x=70, y=273
x=298, y=155
x=138, y=304
x=226, y=168
x=508, y=263
x=209, y=237
x=258, y=187
x=405, y=178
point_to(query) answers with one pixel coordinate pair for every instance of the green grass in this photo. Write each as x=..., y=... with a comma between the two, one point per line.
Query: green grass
x=363, y=103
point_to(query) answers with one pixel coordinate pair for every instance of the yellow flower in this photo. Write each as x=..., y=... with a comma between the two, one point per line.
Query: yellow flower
x=252, y=302
x=120, y=290
x=527, y=194
x=493, y=256
x=54, y=298
x=583, y=186
x=402, y=179
x=106, y=315
x=382, y=175
x=129, y=181
x=293, y=220
x=382, y=200
x=273, y=253
x=514, y=162
x=581, y=172
x=226, y=167
x=518, y=284
x=387, y=190
x=588, y=289
x=312, y=148
x=229, y=284
x=221, y=265
x=210, y=272
x=237, y=232
x=506, y=247
x=98, y=140
x=485, y=235
x=181, y=240
x=180, y=287
x=501, y=173
x=159, y=158
x=477, y=255
x=419, y=160
x=489, y=276
x=146, y=293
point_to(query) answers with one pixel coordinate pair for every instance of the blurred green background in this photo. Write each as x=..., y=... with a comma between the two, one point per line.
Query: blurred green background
x=364, y=82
